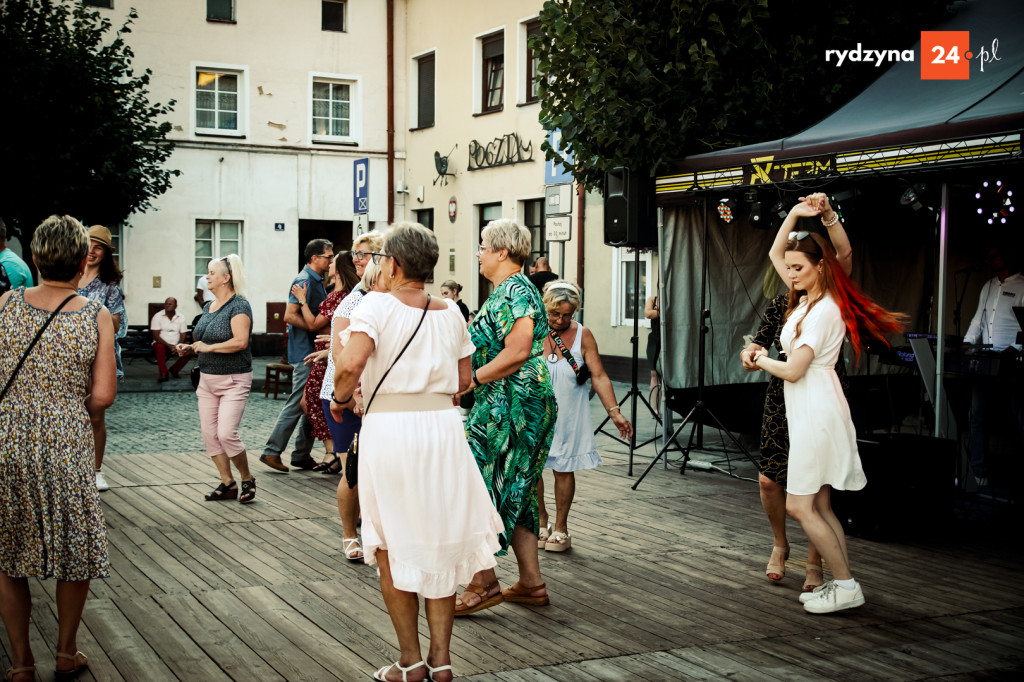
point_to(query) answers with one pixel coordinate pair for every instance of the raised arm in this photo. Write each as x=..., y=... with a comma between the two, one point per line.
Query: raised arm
x=837, y=233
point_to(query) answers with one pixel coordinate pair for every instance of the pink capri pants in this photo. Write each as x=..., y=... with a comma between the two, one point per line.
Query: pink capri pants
x=221, y=405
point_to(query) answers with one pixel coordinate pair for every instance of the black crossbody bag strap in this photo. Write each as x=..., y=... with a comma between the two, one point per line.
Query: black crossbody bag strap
x=33, y=344
x=400, y=353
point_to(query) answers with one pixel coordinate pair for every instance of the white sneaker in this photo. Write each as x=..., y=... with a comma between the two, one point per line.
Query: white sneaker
x=101, y=483
x=834, y=598
x=808, y=596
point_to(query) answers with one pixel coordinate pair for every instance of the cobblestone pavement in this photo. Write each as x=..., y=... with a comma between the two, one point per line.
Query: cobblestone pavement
x=161, y=423
x=168, y=422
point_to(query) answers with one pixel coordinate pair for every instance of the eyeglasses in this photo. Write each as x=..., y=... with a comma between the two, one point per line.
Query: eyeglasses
x=328, y=256
x=377, y=256
x=360, y=255
x=798, y=235
x=482, y=248
x=560, y=316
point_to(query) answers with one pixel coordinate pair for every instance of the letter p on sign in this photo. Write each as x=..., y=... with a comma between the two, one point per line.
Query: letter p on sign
x=361, y=186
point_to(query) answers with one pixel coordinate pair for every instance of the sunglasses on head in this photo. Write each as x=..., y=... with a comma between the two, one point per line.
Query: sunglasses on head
x=798, y=235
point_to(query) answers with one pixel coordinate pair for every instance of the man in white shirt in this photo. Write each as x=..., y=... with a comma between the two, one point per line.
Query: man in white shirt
x=995, y=323
x=168, y=327
x=203, y=293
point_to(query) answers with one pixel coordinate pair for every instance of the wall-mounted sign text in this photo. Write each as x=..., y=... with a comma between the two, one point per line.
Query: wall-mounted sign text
x=501, y=151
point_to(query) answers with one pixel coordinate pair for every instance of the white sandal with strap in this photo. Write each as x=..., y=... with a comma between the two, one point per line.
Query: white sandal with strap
x=542, y=536
x=351, y=547
x=438, y=669
x=383, y=672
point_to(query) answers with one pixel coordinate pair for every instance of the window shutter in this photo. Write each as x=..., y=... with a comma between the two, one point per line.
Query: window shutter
x=425, y=93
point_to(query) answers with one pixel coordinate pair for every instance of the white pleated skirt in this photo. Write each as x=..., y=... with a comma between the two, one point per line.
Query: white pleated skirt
x=423, y=500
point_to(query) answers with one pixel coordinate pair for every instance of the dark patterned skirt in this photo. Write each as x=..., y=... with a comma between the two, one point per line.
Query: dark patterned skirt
x=774, y=434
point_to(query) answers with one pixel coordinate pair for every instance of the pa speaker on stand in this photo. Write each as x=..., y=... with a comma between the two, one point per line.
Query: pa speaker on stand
x=630, y=219
x=630, y=215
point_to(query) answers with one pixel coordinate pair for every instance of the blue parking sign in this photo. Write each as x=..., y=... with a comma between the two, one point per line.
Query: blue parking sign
x=361, y=186
x=556, y=173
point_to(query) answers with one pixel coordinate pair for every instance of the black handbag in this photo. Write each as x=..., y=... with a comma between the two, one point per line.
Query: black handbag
x=352, y=457
x=194, y=375
x=32, y=345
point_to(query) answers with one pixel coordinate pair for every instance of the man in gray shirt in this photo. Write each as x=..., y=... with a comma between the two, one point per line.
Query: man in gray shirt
x=301, y=338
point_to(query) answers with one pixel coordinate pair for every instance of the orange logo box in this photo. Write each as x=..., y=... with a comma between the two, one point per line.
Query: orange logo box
x=945, y=55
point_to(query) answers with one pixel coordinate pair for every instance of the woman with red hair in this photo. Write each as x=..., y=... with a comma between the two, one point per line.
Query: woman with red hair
x=824, y=304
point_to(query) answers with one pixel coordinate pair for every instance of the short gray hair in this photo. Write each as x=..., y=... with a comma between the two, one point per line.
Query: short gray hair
x=414, y=247
x=59, y=245
x=507, y=234
x=559, y=291
x=372, y=240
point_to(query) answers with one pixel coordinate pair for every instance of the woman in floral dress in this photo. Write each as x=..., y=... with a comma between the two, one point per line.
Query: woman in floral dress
x=51, y=520
x=102, y=282
x=513, y=418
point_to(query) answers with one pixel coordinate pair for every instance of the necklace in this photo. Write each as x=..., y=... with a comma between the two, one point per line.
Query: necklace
x=408, y=286
x=553, y=357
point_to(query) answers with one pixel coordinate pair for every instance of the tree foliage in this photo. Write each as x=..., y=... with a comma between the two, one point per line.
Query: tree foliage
x=639, y=83
x=82, y=137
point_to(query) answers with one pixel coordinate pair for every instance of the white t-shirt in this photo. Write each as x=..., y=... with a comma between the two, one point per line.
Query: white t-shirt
x=172, y=330
x=205, y=288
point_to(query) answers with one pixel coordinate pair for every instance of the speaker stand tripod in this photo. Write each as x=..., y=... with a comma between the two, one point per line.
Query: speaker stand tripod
x=700, y=414
x=634, y=391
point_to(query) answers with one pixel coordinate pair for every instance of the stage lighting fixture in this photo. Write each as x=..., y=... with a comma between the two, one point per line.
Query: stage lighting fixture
x=756, y=219
x=995, y=202
x=780, y=210
x=912, y=197
x=725, y=209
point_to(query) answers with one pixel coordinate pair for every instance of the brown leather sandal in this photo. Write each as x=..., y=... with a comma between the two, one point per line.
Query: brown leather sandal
x=11, y=672
x=485, y=602
x=522, y=595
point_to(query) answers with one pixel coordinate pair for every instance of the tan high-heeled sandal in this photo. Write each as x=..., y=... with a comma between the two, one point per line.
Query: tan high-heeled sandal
x=809, y=582
x=776, y=570
x=64, y=675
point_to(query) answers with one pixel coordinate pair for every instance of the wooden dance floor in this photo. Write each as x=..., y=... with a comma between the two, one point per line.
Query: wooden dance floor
x=664, y=583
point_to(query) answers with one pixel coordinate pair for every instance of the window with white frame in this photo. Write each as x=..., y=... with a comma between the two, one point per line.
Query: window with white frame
x=219, y=101
x=334, y=108
x=216, y=239
x=625, y=306
x=332, y=15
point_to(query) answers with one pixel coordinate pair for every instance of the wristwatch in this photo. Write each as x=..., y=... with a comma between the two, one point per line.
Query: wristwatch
x=476, y=381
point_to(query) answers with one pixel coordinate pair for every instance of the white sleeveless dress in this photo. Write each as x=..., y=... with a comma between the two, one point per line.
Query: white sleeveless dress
x=573, y=447
x=822, y=439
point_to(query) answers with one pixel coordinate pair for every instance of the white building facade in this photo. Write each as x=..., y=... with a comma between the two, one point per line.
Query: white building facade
x=277, y=104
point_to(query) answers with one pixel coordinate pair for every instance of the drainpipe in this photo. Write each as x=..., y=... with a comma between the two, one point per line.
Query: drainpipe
x=391, y=111
x=580, y=209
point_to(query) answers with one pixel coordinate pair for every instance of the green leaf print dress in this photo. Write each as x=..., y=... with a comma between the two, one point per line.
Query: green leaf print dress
x=513, y=420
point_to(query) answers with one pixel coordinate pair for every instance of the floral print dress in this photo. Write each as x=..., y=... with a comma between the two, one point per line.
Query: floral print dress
x=110, y=296
x=51, y=521
x=513, y=419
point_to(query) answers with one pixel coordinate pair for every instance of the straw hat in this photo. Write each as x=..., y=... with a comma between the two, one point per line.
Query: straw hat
x=102, y=235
